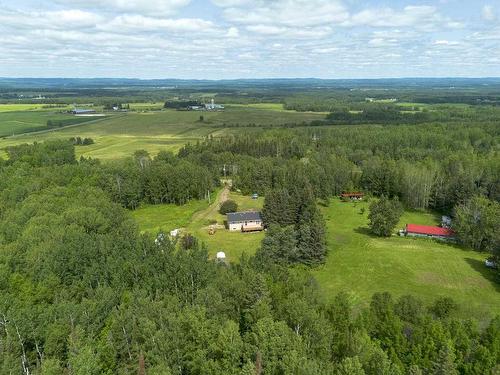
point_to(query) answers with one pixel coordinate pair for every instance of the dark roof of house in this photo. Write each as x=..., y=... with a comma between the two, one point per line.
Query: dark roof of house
x=243, y=216
x=429, y=230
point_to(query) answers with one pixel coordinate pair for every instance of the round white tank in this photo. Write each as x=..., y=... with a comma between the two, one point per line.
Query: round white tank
x=221, y=255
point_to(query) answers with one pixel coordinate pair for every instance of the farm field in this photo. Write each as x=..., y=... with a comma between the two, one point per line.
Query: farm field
x=19, y=107
x=362, y=264
x=156, y=106
x=28, y=121
x=119, y=135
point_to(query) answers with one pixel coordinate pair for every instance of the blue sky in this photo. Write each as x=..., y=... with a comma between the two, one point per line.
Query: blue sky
x=216, y=39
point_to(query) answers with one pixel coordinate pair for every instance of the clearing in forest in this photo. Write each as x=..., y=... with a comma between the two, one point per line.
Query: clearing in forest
x=363, y=264
x=196, y=218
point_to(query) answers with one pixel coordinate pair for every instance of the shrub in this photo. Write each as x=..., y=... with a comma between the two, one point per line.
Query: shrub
x=443, y=307
x=228, y=206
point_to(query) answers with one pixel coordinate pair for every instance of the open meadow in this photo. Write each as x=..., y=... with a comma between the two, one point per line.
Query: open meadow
x=358, y=263
x=362, y=264
x=20, y=107
x=119, y=135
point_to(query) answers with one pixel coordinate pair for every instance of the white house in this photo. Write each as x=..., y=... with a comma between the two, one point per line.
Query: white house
x=245, y=221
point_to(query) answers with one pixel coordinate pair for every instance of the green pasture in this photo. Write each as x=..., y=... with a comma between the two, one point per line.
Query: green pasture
x=120, y=134
x=362, y=264
x=13, y=123
x=358, y=262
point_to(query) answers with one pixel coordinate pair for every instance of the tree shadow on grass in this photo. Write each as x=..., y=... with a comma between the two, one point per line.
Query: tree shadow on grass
x=488, y=273
x=365, y=231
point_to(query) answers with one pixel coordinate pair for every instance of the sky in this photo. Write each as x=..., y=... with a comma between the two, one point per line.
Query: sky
x=229, y=39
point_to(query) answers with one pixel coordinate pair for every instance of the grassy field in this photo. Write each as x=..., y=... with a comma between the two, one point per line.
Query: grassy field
x=32, y=107
x=166, y=217
x=358, y=262
x=362, y=264
x=156, y=106
x=234, y=244
x=196, y=218
x=119, y=135
x=28, y=121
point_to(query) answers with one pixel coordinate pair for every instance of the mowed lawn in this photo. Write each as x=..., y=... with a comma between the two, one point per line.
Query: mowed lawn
x=233, y=244
x=119, y=135
x=166, y=217
x=196, y=217
x=362, y=264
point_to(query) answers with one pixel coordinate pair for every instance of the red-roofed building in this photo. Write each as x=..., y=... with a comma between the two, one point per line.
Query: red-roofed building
x=429, y=231
x=356, y=196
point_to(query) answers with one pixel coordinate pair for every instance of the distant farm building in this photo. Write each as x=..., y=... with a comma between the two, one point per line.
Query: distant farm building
x=213, y=107
x=429, y=231
x=206, y=107
x=248, y=221
x=353, y=196
x=80, y=111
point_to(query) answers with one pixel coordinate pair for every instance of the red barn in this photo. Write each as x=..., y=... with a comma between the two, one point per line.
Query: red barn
x=429, y=231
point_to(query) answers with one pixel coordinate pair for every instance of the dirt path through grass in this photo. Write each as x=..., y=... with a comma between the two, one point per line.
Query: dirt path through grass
x=211, y=211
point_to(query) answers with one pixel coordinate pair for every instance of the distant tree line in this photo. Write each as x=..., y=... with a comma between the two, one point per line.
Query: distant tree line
x=162, y=179
x=181, y=104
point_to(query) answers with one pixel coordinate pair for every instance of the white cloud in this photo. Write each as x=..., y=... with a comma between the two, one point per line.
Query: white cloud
x=444, y=42
x=326, y=50
x=233, y=32
x=231, y=3
x=290, y=13
x=488, y=13
x=127, y=23
x=422, y=17
x=288, y=32
x=151, y=7
x=266, y=37
x=63, y=19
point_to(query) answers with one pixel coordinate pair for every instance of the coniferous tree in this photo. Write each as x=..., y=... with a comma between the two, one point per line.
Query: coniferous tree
x=445, y=362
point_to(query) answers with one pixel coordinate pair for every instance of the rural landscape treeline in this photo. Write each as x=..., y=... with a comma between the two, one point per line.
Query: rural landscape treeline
x=83, y=290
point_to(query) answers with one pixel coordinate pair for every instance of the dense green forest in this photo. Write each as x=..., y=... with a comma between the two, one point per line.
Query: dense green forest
x=84, y=292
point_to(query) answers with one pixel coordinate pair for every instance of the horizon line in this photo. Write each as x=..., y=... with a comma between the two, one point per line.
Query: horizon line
x=256, y=79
